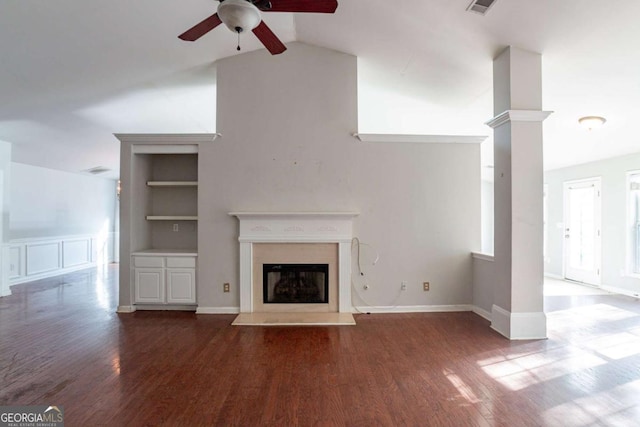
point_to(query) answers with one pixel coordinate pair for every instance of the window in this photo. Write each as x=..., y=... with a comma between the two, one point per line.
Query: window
x=633, y=222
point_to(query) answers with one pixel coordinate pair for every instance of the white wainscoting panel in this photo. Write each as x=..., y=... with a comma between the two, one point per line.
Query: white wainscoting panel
x=76, y=252
x=94, y=249
x=42, y=257
x=16, y=264
x=34, y=258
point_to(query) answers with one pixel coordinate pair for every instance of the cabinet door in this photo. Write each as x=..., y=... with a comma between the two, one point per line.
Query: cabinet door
x=181, y=285
x=149, y=285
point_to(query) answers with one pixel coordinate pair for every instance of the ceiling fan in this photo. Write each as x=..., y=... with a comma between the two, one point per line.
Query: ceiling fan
x=244, y=15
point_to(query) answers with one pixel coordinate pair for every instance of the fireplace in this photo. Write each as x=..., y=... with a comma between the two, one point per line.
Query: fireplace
x=295, y=283
x=303, y=238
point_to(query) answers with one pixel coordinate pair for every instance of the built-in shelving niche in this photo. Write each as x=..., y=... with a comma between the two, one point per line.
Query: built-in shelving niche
x=168, y=205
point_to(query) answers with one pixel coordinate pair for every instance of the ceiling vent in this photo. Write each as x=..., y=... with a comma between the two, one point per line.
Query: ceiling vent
x=97, y=170
x=480, y=6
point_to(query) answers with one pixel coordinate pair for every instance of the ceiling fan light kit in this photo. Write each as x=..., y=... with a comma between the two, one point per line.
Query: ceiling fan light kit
x=239, y=15
x=243, y=15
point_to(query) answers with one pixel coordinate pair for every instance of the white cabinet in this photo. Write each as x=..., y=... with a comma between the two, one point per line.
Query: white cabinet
x=181, y=287
x=149, y=285
x=164, y=278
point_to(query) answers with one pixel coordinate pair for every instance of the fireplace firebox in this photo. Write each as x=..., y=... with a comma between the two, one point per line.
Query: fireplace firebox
x=295, y=283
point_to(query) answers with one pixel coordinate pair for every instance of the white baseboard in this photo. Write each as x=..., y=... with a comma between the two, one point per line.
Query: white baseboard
x=621, y=291
x=218, y=310
x=481, y=312
x=553, y=276
x=362, y=309
x=519, y=326
x=413, y=308
x=149, y=307
x=501, y=321
x=164, y=307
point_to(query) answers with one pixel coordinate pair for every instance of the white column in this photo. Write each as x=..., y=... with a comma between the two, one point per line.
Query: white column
x=246, y=277
x=344, y=277
x=5, y=172
x=518, y=179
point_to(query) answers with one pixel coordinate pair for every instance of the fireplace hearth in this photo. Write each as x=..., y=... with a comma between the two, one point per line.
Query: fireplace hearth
x=295, y=283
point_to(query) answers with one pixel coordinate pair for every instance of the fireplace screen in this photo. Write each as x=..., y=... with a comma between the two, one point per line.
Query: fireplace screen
x=295, y=283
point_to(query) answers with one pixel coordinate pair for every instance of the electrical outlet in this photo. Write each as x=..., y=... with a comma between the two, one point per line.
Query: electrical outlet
x=176, y=227
x=403, y=285
x=225, y=287
x=425, y=286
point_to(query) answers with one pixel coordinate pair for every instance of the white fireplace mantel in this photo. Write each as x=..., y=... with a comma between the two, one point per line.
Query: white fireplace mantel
x=295, y=227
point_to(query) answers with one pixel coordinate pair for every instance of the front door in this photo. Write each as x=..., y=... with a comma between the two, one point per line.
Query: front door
x=582, y=231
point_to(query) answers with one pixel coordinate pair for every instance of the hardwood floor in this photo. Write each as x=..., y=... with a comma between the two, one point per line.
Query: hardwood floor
x=61, y=343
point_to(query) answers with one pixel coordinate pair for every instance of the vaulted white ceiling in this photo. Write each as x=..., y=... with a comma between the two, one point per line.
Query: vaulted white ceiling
x=74, y=72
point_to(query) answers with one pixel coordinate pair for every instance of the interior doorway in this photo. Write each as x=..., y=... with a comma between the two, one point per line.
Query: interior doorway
x=582, y=223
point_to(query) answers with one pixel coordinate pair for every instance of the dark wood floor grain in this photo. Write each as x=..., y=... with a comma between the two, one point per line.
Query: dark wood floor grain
x=61, y=343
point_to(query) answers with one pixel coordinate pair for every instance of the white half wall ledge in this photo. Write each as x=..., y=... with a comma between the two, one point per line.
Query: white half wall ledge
x=167, y=138
x=309, y=214
x=518, y=116
x=483, y=256
x=420, y=139
x=519, y=326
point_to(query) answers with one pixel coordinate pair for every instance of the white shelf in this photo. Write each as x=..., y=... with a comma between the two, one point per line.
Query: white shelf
x=172, y=217
x=172, y=183
x=421, y=139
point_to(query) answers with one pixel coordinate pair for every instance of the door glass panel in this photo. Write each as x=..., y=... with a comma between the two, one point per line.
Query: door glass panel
x=634, y=194
x=582, y=228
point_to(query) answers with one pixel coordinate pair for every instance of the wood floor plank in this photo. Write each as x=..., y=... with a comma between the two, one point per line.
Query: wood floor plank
x=61, y=343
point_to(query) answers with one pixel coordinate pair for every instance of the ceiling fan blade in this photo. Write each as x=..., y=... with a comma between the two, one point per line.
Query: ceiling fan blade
x=199, y=30
x=311, y=6
x=268, y=39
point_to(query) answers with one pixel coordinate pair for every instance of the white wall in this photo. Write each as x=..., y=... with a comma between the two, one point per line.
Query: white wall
x=47, y=203
x=286, y=145
x=614, y=208
x=487, y=216
x=58, y=222
x=484, y=273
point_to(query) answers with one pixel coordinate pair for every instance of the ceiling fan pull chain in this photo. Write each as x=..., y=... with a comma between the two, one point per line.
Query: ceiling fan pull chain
x=238, y=31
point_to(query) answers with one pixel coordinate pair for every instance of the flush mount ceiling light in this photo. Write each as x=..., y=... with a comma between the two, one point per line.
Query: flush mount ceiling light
x=592, y=122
